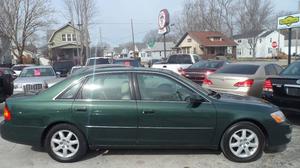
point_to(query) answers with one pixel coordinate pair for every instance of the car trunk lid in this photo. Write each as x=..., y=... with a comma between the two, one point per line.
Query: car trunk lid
x=227, y=81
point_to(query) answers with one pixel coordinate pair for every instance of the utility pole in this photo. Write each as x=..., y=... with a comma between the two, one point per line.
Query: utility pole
x=132, y=32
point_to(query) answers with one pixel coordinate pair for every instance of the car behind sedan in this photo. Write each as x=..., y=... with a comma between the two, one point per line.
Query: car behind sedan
x=284, y=90
x=142, y=108
x=241, y=78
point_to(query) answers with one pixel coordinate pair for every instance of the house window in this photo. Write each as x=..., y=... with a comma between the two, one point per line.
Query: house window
x=239, y=41
x=270, y=50
x=189, y=40
x=239, y=51
x=63, y=37
x=74, y=37
x=271, y=40
x=69, y=38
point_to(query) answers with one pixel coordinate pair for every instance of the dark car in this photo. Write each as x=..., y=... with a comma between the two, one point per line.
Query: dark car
x=200, y=70
x=142, y=108
x=284, y=90
x=128, y=62
x=7, y=76
x=63, y=67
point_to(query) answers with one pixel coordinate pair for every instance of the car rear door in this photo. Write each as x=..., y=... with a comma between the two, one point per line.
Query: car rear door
x=165, y=118
x=106, y=107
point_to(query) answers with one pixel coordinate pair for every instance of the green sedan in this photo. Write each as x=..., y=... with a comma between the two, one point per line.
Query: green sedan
x=142, y=108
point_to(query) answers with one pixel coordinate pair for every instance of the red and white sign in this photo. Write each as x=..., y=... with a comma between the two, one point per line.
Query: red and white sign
x=274, y=44
x=163, y=21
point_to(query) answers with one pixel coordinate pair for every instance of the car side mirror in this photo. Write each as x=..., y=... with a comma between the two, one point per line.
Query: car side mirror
x=195, y=101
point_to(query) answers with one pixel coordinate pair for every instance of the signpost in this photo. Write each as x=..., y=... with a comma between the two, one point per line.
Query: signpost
x=289, y=22
x=163, y=25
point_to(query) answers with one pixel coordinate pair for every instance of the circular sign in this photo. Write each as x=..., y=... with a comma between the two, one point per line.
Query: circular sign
x=163, y=19
x=274, y=44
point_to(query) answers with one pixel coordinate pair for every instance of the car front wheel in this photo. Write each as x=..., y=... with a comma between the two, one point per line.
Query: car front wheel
x=65, y=143
x=243, y=142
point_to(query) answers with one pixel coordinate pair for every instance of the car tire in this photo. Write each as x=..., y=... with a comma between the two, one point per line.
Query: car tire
x=65, y=143
x=243, y=142
x=7, y=85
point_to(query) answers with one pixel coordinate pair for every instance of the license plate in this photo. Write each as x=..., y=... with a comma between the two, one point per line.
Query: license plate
x=292, y=91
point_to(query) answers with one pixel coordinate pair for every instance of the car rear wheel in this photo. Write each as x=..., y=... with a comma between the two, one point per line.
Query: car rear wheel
x=65, y=143
x=243, y=142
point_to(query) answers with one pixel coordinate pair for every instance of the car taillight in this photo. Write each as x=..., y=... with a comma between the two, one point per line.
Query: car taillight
x=207, y=82
x=209, y=73
x=246, y=83
x=6, y=113
x=268, y=86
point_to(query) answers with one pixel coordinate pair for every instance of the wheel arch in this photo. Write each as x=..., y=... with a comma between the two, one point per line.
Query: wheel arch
x=253, y=121
x=50, y=126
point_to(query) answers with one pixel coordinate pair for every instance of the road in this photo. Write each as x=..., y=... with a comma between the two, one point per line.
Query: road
x=15, y=155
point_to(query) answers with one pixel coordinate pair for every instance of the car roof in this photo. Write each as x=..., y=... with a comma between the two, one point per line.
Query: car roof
x=23, y=65
x=97, y=58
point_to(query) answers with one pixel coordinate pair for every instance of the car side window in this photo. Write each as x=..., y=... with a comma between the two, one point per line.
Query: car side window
x=270, y=70
x=71, y=92
x=196, y=58
x=160, y=88
x=106, y=87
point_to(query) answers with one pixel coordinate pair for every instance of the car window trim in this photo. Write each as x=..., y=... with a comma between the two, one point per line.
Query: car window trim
x=169, y=77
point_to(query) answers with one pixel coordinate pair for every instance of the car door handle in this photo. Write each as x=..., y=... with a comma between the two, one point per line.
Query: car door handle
x=81, y=109
x=148, y=112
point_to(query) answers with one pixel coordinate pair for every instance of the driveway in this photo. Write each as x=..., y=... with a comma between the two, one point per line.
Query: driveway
x=15, y=155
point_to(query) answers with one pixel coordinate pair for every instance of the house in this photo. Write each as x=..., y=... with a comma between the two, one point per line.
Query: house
x=64, y=44
x=28, y=56
x=157, y=50
x=208, y=44
x=259, y=44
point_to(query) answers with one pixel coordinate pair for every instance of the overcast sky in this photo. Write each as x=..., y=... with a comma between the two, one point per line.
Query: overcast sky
x=115, y=15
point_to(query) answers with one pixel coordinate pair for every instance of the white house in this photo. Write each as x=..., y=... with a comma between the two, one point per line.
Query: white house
x=157, y=51
x=263, y=40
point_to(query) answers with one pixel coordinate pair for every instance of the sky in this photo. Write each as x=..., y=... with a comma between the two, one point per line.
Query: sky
x=113, y=17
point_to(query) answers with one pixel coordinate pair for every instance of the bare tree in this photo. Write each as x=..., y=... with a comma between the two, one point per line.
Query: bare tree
x=153, y=36
x=20, y=19
x=82, y=12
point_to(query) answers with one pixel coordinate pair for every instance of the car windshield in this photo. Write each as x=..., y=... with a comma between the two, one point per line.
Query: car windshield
x=180, y=59
x=97, y=61
x=292, y=70
x=207, y=64
x=37, y=72
x=243, y=69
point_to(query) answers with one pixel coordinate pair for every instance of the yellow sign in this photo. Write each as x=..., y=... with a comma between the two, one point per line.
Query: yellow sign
x=289, y=20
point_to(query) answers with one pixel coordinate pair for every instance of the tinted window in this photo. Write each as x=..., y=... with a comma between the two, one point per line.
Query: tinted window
x=293, y=70
x=71, y=92
x=180, y=59
x=106, y=87
x=270, y=70
x=243, y=69
x=98, y=61
x=37, y=72
x=278, y=68
x=159, y=88
x=207, y=64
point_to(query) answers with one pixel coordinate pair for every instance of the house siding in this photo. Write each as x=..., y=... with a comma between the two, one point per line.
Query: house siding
x=57, y=37
x=193, y=45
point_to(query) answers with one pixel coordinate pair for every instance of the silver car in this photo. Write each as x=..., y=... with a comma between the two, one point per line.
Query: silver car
x=32, y=79
x=246, y=79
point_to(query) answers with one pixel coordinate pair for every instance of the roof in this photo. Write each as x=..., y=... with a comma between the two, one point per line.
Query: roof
x=203, y=39
x=66, y=25
x=159, y=46
x=261, y=33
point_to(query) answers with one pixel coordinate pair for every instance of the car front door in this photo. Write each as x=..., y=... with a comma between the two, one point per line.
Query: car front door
x=105, y=105
x=166, y=118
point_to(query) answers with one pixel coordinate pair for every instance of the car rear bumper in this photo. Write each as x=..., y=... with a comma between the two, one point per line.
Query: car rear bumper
x=20, y=134
x=286, y=104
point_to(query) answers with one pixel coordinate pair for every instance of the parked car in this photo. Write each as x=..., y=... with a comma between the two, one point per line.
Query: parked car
x=7, y=77
x=33, y=79
x=97, y=61
x=200, y=70
x=241, y=78
x=284, y=90
x=142, y=108
x=178, y=62
x=62, y=68
x=128, y=62
x=19, y=67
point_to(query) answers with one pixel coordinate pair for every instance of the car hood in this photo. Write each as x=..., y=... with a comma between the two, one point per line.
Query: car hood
x=244, y=100
x=33, y=79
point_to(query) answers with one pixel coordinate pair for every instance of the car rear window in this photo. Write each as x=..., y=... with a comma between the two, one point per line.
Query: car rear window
x=180, y=59
x=207, y=64
x=98, y=61
x=292, y=70
x=242, y=69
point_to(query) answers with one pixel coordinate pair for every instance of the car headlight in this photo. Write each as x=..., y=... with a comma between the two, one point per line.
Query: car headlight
x=278, y=117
